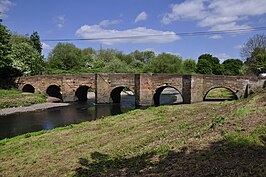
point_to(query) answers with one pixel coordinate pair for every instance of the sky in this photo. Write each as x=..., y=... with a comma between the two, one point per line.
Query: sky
x=128, y=25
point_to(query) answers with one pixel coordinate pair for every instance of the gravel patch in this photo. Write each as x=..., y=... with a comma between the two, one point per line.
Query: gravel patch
x=34, y=107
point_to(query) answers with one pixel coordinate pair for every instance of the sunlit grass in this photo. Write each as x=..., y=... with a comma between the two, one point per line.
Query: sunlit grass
x=16, y=98
x=162, y=139
x=220, y=93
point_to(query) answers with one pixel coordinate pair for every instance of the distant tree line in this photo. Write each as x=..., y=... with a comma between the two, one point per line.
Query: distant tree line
x=21, y=55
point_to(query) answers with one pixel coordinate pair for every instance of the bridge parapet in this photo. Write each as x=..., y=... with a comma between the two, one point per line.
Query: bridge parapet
x=147, y=87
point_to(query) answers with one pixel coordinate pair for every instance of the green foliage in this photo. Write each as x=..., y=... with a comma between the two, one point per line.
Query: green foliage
x=89, y=55
x=65, y=56
x=35, y=39
x=218, y=120
x=5, y=49
x=106, y=55
x=144, y=56
x=204, y=67
x=256, y=41
x=26, y=59
x=257, y=62
x=116, y=66
x=207, y=64
x=165, y=63
x=253, y=52
x=128, y=59
x=232, y=67
x=189, y=66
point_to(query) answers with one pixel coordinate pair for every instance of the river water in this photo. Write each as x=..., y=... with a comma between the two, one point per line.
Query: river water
x=21, y=123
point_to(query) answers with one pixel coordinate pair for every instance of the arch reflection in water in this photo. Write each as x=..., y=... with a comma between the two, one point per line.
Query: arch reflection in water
x=123, y=95
x=85, y=93
x=167, y=95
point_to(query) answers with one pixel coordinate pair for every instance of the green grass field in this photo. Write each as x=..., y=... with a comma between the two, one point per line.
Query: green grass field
x=15, y=98
x=217, y=139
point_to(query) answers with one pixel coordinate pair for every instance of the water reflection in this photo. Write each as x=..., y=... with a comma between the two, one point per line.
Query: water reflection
x=20, y=123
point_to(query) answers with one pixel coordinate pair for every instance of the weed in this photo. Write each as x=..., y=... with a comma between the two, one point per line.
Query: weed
x=217, y=120
x=242, y=112
x=236, y=139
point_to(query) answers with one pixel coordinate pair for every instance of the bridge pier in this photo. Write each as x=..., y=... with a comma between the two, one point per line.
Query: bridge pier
x=147, y=87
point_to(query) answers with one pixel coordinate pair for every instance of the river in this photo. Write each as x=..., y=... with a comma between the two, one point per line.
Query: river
x=21, y=123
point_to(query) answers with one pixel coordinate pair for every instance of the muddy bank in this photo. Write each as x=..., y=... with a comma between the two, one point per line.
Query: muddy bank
x=34, y=107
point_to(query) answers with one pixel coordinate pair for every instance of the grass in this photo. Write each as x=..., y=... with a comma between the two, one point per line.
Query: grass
x=220, y=93
x=183, y=140
x=15, y=98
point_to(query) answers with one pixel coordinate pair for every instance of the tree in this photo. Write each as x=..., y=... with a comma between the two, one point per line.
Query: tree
x=5, y=49
x=89, y=56
x=189, y=66
x=65, y=56
x=128, y=59
x=232, y=67
x=116, y=66
x=257, y=62
x=253, y=53
x=106, y=55
x=26, y=59
x=144, y=56
x=212, y=65
x=165, y=63
x=204, y=66
x=256, y=41
x=35, y=39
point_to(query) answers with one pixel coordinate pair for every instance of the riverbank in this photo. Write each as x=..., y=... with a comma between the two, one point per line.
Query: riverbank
x=16, y=98
x=226, y=139
x=15, y=101
x=34, y=107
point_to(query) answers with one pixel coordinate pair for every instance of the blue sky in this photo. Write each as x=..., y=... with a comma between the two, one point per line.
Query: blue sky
x=166, y=19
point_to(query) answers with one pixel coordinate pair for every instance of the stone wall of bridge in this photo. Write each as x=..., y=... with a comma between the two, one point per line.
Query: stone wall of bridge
x=146, y=87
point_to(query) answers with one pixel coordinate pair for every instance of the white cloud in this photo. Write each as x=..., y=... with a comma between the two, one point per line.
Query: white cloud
x=239, y=46
x=191, y=9
x=159, y=52
x=135, y=35
x=217, y=36
x=46, y=46
x=60, y=21
x=223, y=56
x=106, y=23
x=4, y=7
x=216, y=14
x=141, y=17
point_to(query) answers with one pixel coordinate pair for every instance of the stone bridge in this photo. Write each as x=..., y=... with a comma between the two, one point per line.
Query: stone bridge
x=146, y=87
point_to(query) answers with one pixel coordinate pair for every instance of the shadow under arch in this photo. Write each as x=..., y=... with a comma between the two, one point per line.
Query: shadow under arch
x=172, y=96
x=221, y=94
x=122, y=94
x=28, y=88
x=82, y=93
x=54, y=91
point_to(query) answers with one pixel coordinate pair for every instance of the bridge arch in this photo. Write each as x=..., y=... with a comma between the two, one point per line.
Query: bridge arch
x=28, y=88
x=54, y=91
x=117, y=91
x=233, y=95
x=173, y=92
x=82, y=92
